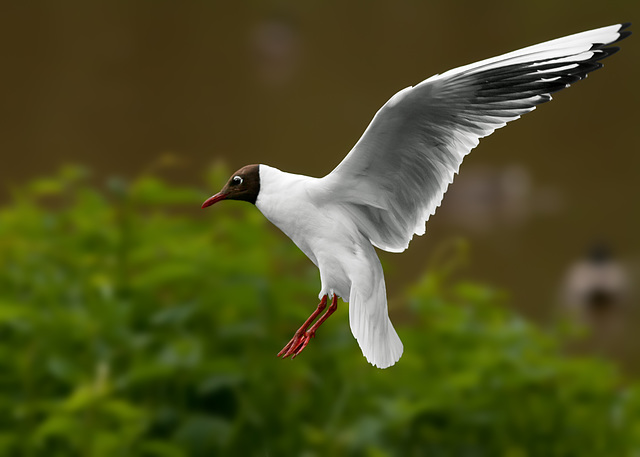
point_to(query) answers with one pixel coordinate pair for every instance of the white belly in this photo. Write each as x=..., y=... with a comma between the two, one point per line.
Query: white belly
x=320, y=229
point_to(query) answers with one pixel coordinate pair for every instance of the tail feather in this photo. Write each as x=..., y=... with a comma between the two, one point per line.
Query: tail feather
x=372, y=328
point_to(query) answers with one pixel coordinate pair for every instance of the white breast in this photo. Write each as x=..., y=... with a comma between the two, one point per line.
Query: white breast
x=297, y=205
x=286, y=199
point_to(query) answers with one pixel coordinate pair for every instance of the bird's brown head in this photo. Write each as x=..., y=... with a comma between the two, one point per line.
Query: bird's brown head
x=243, y=185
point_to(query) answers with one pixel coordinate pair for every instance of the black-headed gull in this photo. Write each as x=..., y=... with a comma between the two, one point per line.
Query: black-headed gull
x=394, y=178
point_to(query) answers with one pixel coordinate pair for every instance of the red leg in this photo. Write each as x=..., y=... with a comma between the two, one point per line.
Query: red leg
x=297, y=337
x=302, y=336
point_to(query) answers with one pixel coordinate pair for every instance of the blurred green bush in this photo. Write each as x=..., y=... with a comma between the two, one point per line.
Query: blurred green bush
x=133, y=324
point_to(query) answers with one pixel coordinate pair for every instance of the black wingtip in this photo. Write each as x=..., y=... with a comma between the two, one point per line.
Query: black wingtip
x=610, y=51
x=623, y=33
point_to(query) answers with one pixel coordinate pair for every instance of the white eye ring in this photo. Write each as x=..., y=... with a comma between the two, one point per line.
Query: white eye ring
x=236, y=180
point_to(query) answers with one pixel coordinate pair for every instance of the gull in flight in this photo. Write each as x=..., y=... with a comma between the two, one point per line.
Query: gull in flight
x=394, y=178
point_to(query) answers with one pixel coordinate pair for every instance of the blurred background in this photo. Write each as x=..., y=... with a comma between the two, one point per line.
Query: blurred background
x=143, y=94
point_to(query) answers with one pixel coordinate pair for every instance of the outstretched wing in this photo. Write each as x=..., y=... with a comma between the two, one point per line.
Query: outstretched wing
x=397, y=173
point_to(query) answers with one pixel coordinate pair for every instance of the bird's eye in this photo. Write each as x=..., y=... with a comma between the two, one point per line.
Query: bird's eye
x=237, y=180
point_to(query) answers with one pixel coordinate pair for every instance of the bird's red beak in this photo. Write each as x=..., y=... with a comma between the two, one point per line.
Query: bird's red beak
x=215, y=199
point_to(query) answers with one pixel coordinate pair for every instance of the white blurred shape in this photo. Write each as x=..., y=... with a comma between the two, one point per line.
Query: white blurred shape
x=596, y=290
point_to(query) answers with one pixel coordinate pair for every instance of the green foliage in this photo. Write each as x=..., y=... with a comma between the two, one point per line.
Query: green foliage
x=134, y=324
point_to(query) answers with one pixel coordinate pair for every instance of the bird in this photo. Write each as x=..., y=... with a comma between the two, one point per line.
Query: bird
x=389, y=184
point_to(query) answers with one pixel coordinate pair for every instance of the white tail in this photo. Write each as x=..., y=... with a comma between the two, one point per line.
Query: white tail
x=371, y=326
